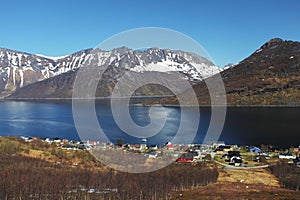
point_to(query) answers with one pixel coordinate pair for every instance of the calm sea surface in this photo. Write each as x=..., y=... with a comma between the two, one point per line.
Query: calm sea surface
x=243, y=126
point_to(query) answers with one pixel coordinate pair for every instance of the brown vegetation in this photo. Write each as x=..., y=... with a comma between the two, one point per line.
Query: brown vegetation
x=251, y=176
x=288, y=175
x=38, y=170
x=237, y=191
x=27, y=177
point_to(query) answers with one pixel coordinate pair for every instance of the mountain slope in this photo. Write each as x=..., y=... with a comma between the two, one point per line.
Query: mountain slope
x=18, y=69
x=161, y=62
x=270, y=76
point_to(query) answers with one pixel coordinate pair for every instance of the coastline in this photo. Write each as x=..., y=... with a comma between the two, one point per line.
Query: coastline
x=106, y=100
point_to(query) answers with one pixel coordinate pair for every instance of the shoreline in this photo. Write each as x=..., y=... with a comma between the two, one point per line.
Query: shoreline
x=106, y=100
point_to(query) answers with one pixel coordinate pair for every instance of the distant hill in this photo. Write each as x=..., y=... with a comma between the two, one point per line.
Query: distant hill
x=31, y=76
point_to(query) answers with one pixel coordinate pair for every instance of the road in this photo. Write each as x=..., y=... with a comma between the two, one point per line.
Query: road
x=226, y=166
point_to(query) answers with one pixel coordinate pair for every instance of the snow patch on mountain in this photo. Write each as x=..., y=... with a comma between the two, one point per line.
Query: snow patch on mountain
x=55, y=58
x=18, y=69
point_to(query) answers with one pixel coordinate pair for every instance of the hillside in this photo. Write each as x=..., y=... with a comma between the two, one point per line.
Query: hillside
x=40, y=170
x=270, y=76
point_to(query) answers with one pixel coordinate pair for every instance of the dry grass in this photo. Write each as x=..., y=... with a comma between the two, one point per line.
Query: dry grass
x=240, y=184
x=257, y=176
x=240, y=191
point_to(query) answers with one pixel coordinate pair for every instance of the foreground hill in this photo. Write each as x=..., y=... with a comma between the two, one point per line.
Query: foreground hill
x=271, y=75
x=38, y=170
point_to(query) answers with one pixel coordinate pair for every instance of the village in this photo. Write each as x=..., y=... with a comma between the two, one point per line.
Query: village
x=230, y=156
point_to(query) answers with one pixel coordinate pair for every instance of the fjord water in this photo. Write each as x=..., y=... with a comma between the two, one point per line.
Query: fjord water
x=244, y=126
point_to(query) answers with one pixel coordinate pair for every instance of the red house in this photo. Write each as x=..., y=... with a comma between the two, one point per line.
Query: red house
x=185, y=160
x=186, y=157
x=170, y=146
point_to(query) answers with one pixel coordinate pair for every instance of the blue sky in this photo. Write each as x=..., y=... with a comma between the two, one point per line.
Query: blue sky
x=229, y=30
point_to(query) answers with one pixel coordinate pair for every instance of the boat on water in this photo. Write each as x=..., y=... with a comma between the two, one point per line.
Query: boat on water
x=144, y=140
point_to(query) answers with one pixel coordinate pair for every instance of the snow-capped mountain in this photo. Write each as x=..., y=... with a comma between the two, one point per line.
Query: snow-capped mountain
x=18, y=69
x=163, y=60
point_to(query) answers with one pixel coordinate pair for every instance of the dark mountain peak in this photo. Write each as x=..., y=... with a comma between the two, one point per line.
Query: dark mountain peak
x=273, y=43
x=276, y=41
x=277, y=44
x=276, y=47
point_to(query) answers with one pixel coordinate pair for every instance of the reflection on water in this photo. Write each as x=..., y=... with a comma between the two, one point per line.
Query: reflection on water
x=279, y=126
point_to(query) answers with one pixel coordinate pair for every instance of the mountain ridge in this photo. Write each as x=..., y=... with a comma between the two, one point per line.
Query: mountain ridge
x=189, y=65
x=269, y=76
